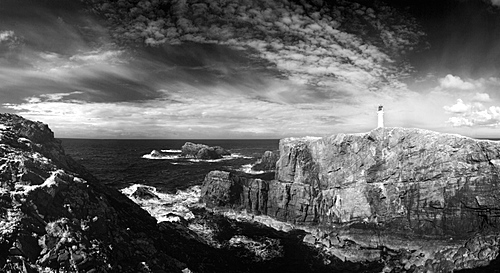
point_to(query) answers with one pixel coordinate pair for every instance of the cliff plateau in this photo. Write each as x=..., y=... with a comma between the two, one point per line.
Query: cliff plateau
x=413, y=199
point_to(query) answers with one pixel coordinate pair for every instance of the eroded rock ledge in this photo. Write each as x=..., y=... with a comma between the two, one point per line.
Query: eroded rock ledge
x=428, y=200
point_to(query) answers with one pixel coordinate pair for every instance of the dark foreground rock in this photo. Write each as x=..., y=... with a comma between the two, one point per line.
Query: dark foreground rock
x=56, y=217
x=415, y=199
x=250, y=247
x=202, y=151
x=267, y=162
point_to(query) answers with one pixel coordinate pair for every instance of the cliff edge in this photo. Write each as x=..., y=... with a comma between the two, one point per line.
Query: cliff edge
x=416, y=199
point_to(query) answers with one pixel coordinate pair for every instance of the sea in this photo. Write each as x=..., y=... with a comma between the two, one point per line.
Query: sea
x=121, y=163
x=127, y=165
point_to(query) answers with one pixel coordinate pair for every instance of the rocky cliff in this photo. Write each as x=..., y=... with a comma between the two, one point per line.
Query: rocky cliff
x=56, y=216
x=417, y=199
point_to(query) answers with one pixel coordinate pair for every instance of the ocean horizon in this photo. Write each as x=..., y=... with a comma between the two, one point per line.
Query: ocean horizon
x=120, y=163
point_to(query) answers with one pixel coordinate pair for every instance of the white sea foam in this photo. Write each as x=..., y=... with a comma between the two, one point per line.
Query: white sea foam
x=163, y=157
x=171, y=151
x=247, y=168
x=224, y=158
x=167, y=206
x=180, y=157
x=182, y=163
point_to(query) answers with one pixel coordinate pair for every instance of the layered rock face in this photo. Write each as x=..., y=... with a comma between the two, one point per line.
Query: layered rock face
x=433, y=195
x=55, y=217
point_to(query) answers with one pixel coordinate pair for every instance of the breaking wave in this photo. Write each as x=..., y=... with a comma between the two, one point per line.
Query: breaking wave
x=178, y=157
x=165, y=206
x=247, y=168
x=171, y=151
x=163, y=157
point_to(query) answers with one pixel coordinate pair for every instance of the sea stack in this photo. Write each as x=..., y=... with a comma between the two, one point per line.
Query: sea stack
x=410, y=198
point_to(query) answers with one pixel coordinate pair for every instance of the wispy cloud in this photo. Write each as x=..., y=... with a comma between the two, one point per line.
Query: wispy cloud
x=319, y=45
x=182, y=116
x=481, y=97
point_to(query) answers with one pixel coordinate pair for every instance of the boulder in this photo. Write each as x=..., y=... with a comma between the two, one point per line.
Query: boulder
x=202, y=151
x=208, y=153
x=267, y=162
x=414, y=191
x=221, y=151
x=191, y=149
x=144, y=193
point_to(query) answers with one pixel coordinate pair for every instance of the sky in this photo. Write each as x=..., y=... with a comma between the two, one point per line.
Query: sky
x=211, y=69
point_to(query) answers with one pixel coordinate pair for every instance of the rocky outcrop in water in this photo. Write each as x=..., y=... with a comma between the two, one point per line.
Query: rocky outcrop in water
x=416, y=199
x=267, y=162
x=202, y=151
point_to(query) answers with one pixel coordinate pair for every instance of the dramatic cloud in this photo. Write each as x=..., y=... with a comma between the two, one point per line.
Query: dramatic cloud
x=204, y=68
x=238, y=68
x=455, y=82
x=467, y=106
x=459, y=107
x=6, y=35
x=495, y=2
x=473, y=114
x=343, y=47
x=8, y=42
x=489, y=117
x=481, y=97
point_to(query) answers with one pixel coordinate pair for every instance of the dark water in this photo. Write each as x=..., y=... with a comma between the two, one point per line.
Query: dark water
x=119, y=163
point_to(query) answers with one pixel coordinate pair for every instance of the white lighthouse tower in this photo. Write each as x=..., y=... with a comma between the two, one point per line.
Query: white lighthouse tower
x=380, y=114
